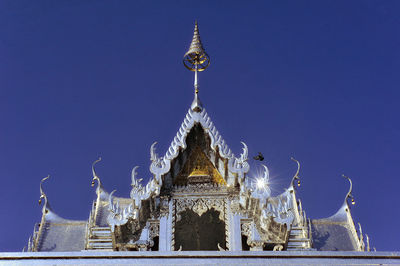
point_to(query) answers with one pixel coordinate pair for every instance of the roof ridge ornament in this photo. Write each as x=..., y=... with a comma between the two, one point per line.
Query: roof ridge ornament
x=100, y=192
x=361, y=238
x=118, y=215
x=95, y=176
x=135, y=181
x=196, y=59
x=43, y=195
x=296, y=176
x=349, y=195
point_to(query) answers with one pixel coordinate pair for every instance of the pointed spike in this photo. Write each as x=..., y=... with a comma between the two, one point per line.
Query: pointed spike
x=208, y=125
x=226, y=150
x=213, y=129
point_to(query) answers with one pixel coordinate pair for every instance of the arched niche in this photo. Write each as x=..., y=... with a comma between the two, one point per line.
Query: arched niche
x=195, y=232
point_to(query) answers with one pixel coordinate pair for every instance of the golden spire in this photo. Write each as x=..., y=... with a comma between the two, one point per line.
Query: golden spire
x=196, y=59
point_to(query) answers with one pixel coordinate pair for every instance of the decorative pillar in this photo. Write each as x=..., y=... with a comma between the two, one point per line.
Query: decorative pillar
x=235, y=233
x=164, y=236
x=170, y=231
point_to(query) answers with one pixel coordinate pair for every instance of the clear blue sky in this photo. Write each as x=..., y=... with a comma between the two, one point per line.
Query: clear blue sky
x=317, y=80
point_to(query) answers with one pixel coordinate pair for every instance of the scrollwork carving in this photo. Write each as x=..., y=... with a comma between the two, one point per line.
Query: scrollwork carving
x=164, y=207
x=200, y=206
x=159, y=165
x=119, y=216
x=139, y=192
x=246, y=228
x=280, y=209
x=240, y=166
x=154, y=230
x=200, y=188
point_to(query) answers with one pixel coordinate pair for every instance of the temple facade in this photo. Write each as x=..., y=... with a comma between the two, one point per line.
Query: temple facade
x=199, y=198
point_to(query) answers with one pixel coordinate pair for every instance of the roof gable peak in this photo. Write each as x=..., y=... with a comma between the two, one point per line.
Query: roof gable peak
x=161, y=165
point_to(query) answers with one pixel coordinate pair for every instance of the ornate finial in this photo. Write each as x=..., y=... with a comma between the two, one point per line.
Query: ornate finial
x=309, y=229
x=153, y=155
x=110, y=201
x=368, y=247
x=196, y=106
x=95, y=177
x=348, y=195
x=360, y=230
x=135, y=181
x=361, y=238
x=296, y=176
x=196, y=59
x=42, y=194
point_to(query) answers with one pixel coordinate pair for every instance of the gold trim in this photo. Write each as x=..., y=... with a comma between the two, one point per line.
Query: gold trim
x=198, y=169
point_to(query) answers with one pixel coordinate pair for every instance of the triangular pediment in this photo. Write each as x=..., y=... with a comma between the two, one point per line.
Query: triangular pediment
x=197, y=162
x=197, y=129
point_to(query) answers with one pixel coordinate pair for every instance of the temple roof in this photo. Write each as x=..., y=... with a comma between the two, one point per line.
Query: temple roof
x=59, y=234
x=330, y=236
x=336, y=232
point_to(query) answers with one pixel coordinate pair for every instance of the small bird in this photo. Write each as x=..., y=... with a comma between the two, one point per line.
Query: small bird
x=259, y=157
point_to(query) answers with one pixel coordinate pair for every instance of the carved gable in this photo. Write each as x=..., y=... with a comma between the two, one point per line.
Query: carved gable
x=197, y=162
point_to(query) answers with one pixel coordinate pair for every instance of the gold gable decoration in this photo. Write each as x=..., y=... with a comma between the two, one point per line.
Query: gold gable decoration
x=198, y=169
x=199, y=166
